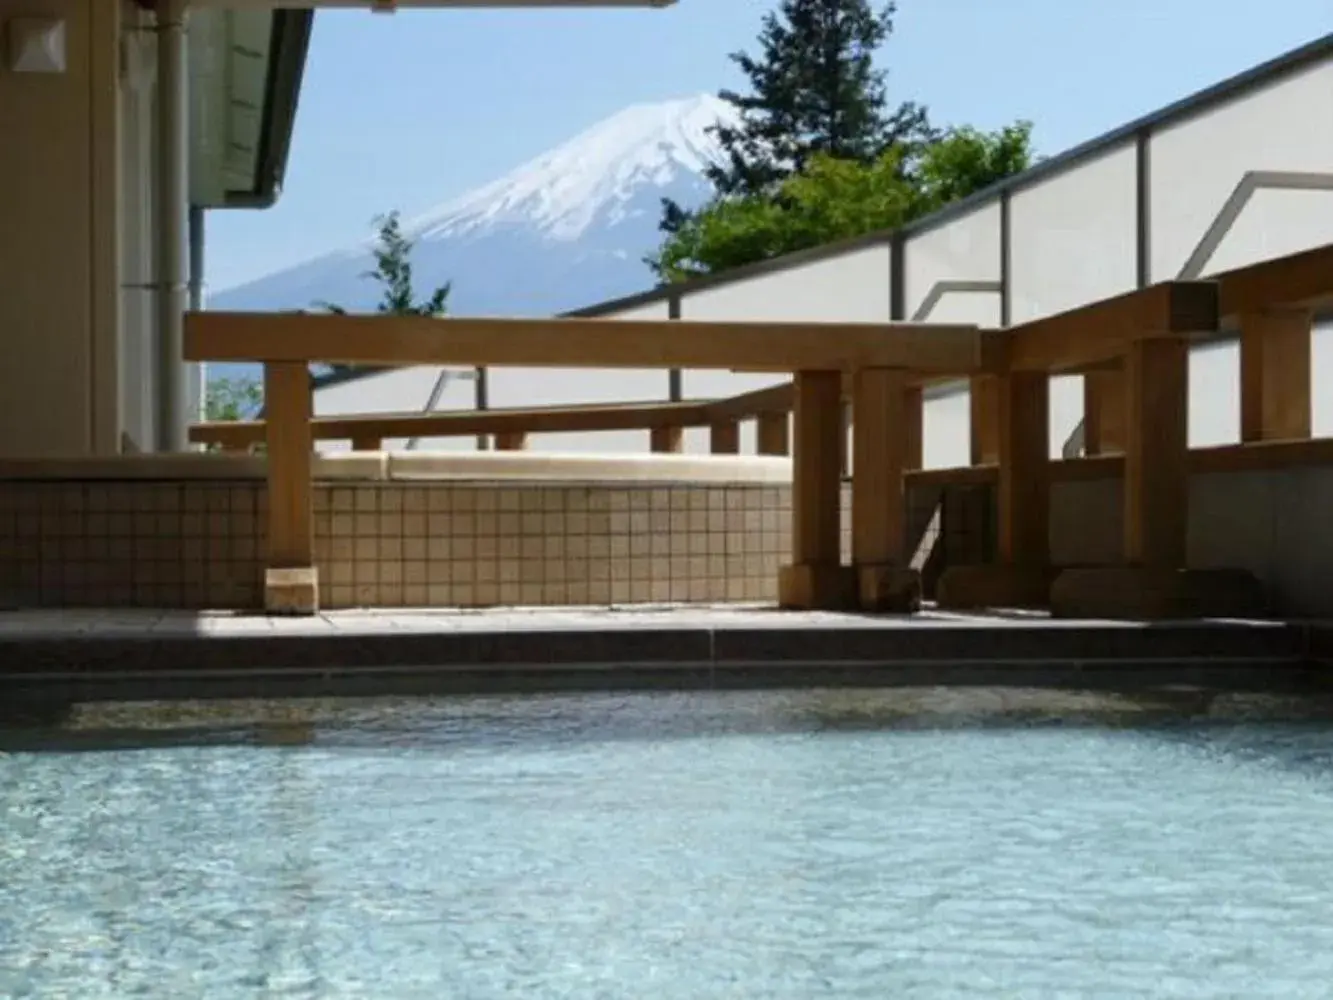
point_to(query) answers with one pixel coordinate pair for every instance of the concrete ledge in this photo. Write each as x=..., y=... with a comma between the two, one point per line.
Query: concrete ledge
x=312, y=657
x=1140, y=594
x=660, y=468
x=967, y=588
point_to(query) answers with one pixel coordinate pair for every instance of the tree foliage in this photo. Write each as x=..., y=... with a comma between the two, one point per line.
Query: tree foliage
x=232, y=399
x=834, y=199
x=817, y=154
x=393, y=272
x=815, y=91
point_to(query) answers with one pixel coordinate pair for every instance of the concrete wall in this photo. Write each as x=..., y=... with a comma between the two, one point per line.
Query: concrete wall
x=58, y=241
x=1274, y=524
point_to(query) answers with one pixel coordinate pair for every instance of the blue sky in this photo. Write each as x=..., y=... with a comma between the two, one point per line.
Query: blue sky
x=411, y=109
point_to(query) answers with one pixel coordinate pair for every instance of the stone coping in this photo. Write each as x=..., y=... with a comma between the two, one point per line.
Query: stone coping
x=417, y=467
x=119, y=656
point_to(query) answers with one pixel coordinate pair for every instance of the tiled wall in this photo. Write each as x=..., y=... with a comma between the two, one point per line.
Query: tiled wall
x=176, y=544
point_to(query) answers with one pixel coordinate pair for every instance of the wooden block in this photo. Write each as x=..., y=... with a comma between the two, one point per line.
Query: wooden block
x=817, y=587
x=888, y=589
x=292, y=591
x=1103, y=411
x=1023, y=496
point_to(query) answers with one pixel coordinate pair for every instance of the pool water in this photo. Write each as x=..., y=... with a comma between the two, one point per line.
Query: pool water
x=668, y=846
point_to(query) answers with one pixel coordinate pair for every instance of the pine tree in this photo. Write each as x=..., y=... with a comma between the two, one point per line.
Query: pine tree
x=393, y=270
x=814, y=89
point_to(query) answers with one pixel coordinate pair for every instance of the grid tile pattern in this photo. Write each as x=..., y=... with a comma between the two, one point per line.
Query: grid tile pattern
x=200, y=545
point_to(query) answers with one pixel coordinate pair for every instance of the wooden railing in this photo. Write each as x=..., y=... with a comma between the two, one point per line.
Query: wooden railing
x=664, y=421
x=1134, y=347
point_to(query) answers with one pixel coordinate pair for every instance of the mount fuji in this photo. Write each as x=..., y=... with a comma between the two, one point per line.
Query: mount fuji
x=567, y=229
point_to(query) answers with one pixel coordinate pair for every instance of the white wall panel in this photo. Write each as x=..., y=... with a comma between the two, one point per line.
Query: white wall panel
x=513, y=387
x=1073, y=236
x=963, y=249
x=1197, y=165
x=401, y=390
x=850, y=288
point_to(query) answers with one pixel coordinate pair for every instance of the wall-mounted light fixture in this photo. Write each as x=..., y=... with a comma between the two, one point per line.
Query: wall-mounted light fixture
x=35, y=45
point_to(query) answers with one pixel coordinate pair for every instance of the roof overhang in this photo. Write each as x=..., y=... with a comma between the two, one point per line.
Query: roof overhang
x=245, y=76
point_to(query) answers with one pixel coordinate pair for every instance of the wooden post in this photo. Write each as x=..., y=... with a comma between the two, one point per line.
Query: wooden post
x=1275, y=375
x=665, y=440
x=844, y=438
x=291, y=581
x=724, y=438
x=914, y=424
x=1156, y=485
x=511, y=441
x=1023, y=501
x=881, y=428
x=366, y=442
x=984, y=404
x=1104, y=411
x=816, y=578
x=772, y=433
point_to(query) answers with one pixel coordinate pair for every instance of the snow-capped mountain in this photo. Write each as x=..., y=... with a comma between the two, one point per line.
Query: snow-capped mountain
x=567, y=229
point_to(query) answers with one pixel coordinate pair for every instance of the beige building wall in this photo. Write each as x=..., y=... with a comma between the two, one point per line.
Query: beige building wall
x=58, y=240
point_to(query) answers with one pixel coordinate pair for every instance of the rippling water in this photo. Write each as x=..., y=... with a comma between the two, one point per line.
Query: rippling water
x=766, y=846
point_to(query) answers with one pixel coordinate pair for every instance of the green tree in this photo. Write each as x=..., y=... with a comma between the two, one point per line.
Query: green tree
x=393, y=272
x=231, y=399
x=834, y=199
x=814, y=90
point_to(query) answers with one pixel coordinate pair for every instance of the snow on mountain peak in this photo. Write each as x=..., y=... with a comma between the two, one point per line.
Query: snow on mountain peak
x=563, y=191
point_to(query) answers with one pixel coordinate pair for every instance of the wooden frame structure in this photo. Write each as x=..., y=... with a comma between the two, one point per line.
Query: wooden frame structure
x=1132, y=350
x=819, y=355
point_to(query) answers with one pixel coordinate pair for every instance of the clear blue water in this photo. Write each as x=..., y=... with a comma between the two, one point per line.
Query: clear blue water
x=767, y=846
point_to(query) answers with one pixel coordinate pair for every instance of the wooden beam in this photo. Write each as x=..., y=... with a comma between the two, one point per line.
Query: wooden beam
x=984, y=419
x=1104, y=411
x=290, y=585
x=465, y=423
x=666, y=440
x=1024, y=477
x=570, y=342
x=511, y=441
x=365, y=442
x=1302, y=280
x=724, y=437
x=1275, y=382
x=1104, y=330
x=771, y=399
x=1156, y=484
x=773, y=434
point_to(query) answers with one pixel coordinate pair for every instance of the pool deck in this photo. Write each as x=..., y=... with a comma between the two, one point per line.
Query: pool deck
x=89, y=655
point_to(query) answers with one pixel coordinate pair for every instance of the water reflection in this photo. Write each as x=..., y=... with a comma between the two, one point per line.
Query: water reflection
x=760, y=845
